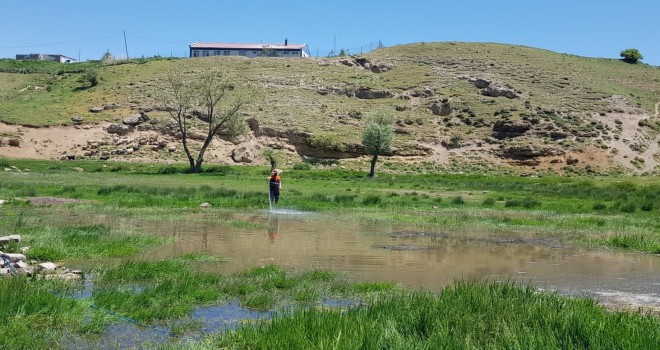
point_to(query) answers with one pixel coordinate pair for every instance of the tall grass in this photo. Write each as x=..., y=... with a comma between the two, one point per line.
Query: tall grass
x=465, y=316
x=33, y=317
x=53, y=243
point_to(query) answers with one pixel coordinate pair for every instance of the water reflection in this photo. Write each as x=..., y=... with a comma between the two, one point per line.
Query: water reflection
x=380, y=252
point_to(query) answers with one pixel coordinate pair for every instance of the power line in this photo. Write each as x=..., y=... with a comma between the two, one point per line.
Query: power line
x=59, y=43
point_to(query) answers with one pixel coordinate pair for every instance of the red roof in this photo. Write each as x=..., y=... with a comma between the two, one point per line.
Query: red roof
x=246, y=46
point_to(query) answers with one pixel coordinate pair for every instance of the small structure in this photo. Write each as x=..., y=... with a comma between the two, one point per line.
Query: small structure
x=249, y=50
x=45, y=57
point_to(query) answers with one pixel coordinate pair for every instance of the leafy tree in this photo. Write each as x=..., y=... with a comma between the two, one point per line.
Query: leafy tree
x=378, y=136
x=271, y=156
x=220, y=99
x=631, y=55
x=107, y=58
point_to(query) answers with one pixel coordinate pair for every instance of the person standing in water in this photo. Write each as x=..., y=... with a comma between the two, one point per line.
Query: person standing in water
x=275, y=185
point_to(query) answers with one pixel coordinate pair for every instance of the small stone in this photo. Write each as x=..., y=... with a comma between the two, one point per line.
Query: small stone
x=205, y=205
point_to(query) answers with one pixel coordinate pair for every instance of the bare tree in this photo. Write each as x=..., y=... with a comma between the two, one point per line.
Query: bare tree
x=218, y=97
x=378, y=136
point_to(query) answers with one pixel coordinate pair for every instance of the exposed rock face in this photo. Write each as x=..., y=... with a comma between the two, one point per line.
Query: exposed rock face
x=494, y=90
x=510, y=128
x=366, y=64
x=441, y=109
x=368, y=93
x=526, y=151
x=253, y=124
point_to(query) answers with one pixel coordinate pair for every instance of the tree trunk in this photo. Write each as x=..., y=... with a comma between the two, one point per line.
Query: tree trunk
x=372, y=172
x=198, y=166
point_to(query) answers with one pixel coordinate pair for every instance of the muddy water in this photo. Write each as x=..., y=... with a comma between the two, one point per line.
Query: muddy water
x=371, y=251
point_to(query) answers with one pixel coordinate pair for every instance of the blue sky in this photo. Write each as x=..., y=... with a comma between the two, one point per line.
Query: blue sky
x=86, y=29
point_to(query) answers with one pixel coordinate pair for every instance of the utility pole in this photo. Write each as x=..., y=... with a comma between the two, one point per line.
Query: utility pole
x=126, y=45
x=334, y=46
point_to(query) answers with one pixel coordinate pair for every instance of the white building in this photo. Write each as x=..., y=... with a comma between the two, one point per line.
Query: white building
x=45, y=57
x=249, y=50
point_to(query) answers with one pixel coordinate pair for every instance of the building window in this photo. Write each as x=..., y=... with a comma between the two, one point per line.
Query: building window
x=226, y=53
x=195, y=53
x=242, y=53
x=205, y=53
x=216, y=53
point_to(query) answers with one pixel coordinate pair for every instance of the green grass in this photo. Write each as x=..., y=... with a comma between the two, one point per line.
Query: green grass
x=99, y=232
x=36, y=318
x=464, y=316
x=565, y=91
x=573, y=207
x=53, y=243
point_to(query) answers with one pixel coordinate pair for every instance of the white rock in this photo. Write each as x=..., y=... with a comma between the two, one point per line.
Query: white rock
x=10, y=238
x=14, y=257
x=47, y=267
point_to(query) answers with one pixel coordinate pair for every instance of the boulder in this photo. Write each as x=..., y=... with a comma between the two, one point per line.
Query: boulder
x=118, y=129
x=134, y=119
x=480, y=83
x=370, y=94
x=12, y=257
x=77, y=120
x=496, y=90
x=111, y=107
x=46, y=268
x=9, y=239
x=245, y=153
x=510, y=128
x=205, y=205
x=441, y=109
x=96, y=109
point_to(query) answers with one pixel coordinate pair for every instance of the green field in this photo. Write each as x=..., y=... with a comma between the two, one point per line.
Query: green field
x=603, y=213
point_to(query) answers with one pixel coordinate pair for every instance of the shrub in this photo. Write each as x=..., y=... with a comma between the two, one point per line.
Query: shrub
x=90, y=76
x=629, y=207
x=457, y=200
x=326, y=142
x=488, y=202
x=371, y=199
x=302, y=166
x=631, y=55
x=646, y=206
x=598, y=206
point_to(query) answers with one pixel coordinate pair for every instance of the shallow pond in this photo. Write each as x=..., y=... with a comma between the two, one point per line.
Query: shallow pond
x=373, y=251
x=377, y=251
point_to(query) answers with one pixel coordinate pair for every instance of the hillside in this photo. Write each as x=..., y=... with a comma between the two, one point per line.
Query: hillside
x=459, y=107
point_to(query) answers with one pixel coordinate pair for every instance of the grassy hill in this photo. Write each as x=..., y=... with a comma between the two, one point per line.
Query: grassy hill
x=562, y=110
